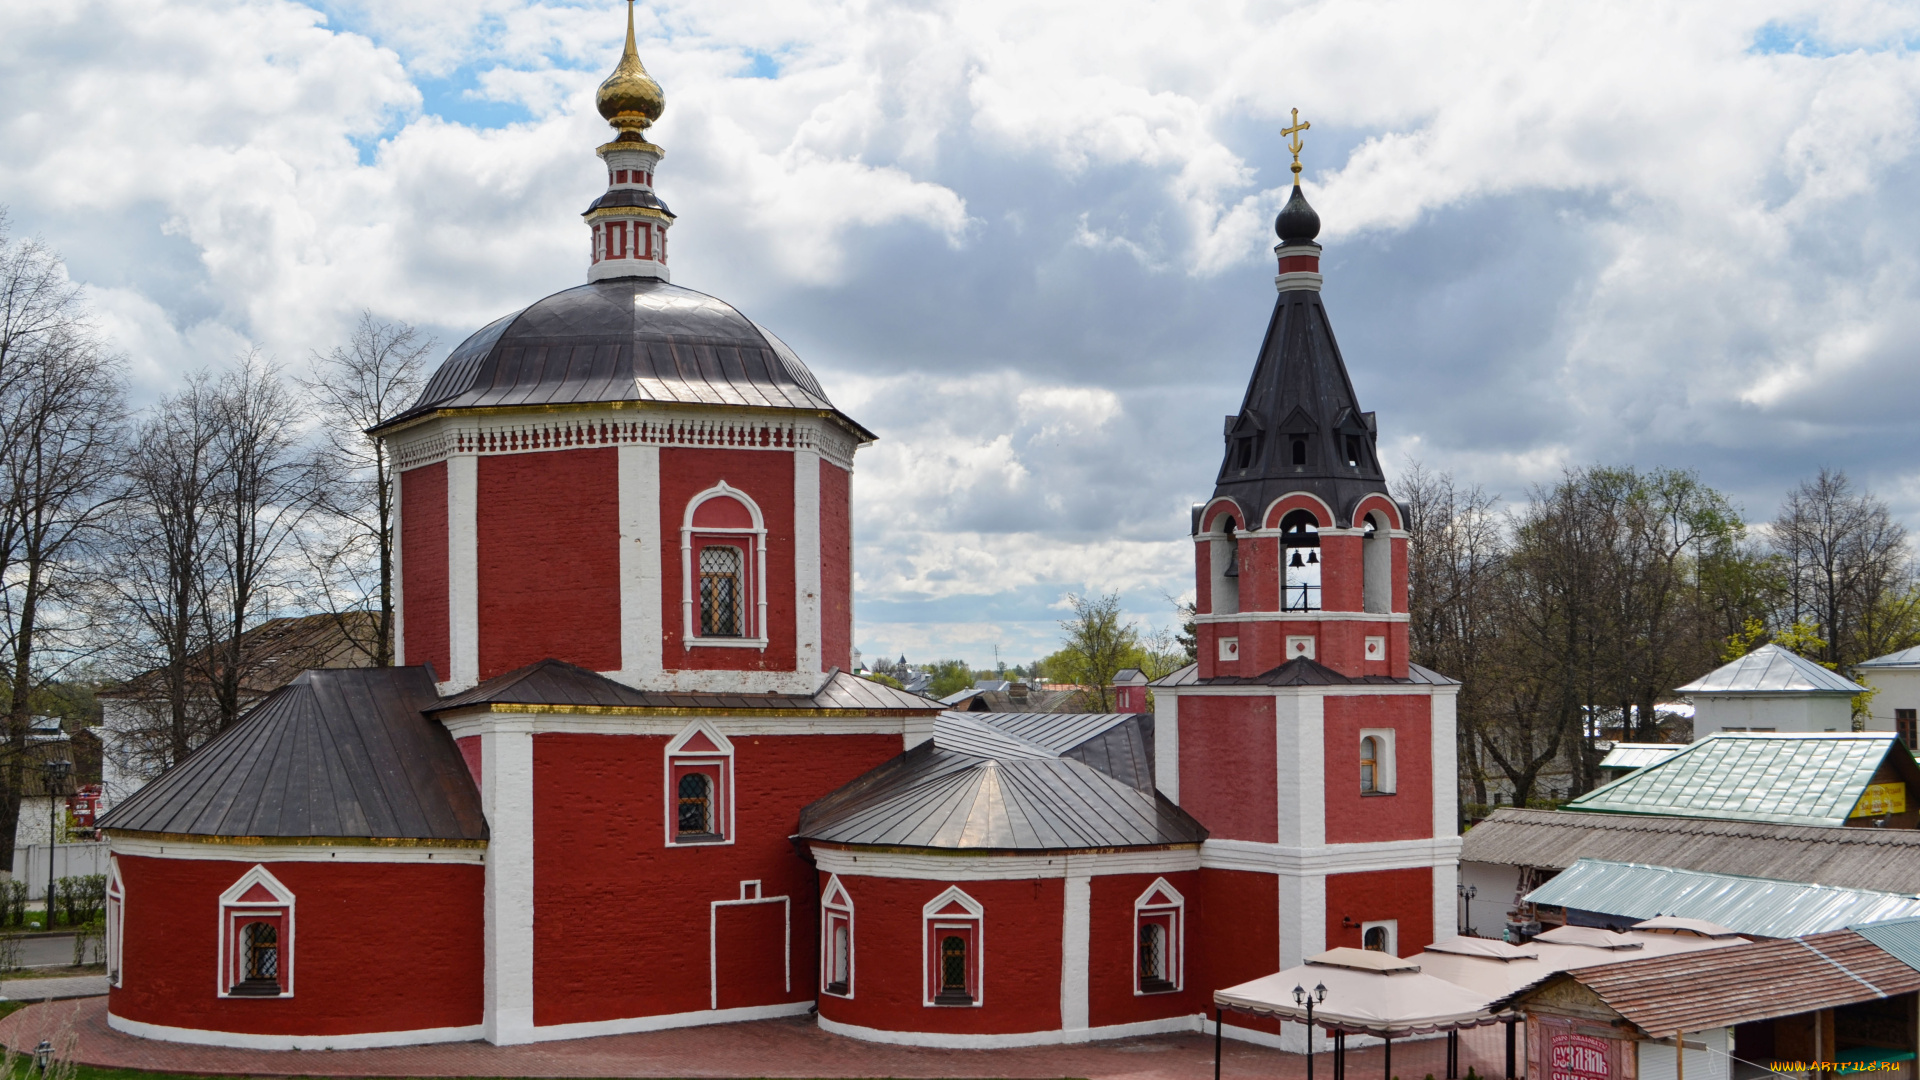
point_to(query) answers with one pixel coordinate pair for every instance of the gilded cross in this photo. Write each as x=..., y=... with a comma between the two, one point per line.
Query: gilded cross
x=1296, y=145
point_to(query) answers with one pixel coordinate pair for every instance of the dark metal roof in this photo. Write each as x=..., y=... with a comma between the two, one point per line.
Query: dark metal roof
x=978, y=787
x=1694, y=991
x=334, y=753
x=1301, y=671
x=1885, y=860
x=1299, y=390
x=557, y=683
x=626, y=339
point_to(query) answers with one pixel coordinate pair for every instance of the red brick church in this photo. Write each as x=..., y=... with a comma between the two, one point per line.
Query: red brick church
x=625, y=781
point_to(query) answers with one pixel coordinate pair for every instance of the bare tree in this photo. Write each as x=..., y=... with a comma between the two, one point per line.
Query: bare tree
x=374, y=377
x=61, y=407
x=1844, y=558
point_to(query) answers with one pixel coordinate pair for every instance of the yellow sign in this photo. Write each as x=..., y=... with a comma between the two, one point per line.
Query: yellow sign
x=1879, y=800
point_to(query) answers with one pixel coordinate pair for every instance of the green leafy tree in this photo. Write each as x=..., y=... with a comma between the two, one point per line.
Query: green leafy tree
x=950, y=676
x=1097, y=645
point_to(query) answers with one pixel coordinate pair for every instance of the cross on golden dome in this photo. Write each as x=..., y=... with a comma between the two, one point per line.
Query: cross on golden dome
x=1296, y=145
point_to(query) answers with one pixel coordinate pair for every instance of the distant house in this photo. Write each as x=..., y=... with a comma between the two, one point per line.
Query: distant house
x=1628, y=757
x=133, y=714
x=1772, y=689
x=1897, y=678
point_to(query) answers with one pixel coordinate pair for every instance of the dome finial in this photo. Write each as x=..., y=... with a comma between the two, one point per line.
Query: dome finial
x=1296, y=145
x=630, y=100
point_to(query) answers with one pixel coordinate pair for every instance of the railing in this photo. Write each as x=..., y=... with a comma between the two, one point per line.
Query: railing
x=1302, y=597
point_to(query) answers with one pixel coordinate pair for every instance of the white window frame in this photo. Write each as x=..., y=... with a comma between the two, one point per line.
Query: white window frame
x=754, y=547
x=1161, y=898
x=231, y=906
x=1229, y=648
x=1385, y=776
x=1300, y=645
x=678, y=755
x=975, y=921
x=116, y=922
x=836, y=906
x=1392, y=927
x=1376, y=649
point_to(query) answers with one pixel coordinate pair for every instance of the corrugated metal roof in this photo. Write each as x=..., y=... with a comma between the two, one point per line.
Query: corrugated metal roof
x=1301, y=671
x=1748, y=776
x=1748, y=905
x=555, y=682
x=1771, y=669
x=976, y=787
x=1638, y=755
x=1903, y=658
x=339, y=753
x=1689, y=992
x=1900, y=937
x=1886, y=860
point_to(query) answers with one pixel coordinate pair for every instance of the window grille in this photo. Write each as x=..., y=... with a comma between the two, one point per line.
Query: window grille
x=840, y=960
x=259, y=960
x=1905, y=724
x=953, y=971
x=696, y=804
x=1369, y=765
x=1153, y=957
x=1376, y=939
x=722, y=600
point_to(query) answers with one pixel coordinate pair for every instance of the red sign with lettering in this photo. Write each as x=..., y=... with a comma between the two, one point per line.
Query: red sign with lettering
x=1580, y=1057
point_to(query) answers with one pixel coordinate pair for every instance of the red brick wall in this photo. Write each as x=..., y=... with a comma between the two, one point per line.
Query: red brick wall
x=1407, y=814
x=1227, y=777
x=423, y=566
x=376, y=947
x=549, y=554
x=1404, y=895
x=1238, y=933
x=601, y=865
x=1114, y=938
x=766, y=476
x=836, y=567
x=1020, y=989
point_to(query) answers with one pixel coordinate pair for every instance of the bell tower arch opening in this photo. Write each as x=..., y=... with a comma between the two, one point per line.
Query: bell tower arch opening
x=1224, y=560
x=1376, y=564
x=1300, y=562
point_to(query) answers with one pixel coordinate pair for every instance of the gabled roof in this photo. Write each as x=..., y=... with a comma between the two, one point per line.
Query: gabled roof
x=979, y=787
x=272, y=654
x=342, y=753
x=1885, y=860
x=1902, y=659
x=557, y=684
x=1301, y=671
x=1750, y=776
x=1771, y=669
x=1762, y=907
x=1638, y=755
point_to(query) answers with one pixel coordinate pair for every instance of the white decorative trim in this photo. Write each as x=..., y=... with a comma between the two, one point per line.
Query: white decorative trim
x=463, y=573
x=946, y=1041
x=806, y=561
x=116, y=922
x=1212, y=534
x=713, y=937
x=1300, y=645
x=1305, y=617
x=1300, y=747
x=506, y=787
x=1391, y=926
x=1166, y=744
x=249, y=1041
x=1443, y=751
x=268, y=853
x=722, y=757
x=231, y=904
x=758, y=639
x=837, y=902
x=976, y=867
x=1332, y=520
x=586, y=1029
x=731, y=726
x=931, y=919
x=1076, y=946
x=398, y=572
x=1297, y=279
x=1177, y=939
x=1302, y=916
x=1257, y=857
x=649, y=423
x=640, y=622
x=1335, y=690
x=1229, y=649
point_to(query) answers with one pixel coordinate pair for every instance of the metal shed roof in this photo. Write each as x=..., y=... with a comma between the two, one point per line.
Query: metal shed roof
x=1638, y=755
x=1901, y=937
x=1903, y=658
x=341, y=753
x=977, y=787
x=1771, y=669
x=1748, y=905
x=1747, y=776
x=1887, y=860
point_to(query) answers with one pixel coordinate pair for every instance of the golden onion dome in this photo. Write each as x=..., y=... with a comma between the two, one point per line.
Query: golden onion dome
x=630, y=99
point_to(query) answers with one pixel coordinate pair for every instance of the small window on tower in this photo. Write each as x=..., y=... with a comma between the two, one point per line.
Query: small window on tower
x=1369, y=765
x=1243, y=452
x=1299, y=451
x=1353, y=450
x=722, y=607
x=620, y=177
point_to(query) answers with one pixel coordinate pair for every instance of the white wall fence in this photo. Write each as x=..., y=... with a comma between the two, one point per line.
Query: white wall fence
x=69, y=860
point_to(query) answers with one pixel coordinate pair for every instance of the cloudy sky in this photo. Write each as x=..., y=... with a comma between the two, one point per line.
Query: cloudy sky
x=1029, y=243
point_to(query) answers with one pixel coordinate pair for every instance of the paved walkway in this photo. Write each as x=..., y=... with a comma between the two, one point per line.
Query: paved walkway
x=72, y=986
x=772, y=1048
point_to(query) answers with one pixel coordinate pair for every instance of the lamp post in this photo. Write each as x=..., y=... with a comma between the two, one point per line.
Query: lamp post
x=1309, y=1000
x=55, y=774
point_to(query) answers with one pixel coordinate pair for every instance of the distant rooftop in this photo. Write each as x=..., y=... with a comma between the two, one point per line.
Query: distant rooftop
x=1902, y=659
x=1749, y=776
x=1771, y=669
x=1760, y=907
x=1629, y=755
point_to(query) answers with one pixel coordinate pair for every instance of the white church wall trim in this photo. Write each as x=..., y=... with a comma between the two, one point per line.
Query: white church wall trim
x=673, y=722
x=1161, y=909
x=698, y=787
x=116, y=921
x=585, y=1029
x=750, y=895
x=1271, y=513
x=519, y=431
x=838, y=947
x=256, y=937
x=949, y=918
x=1358, y=689
x=1315, y=616
x=940, y=1040
x=225, y=849
x=251, y=1041
x=748, y=548
x=1258, y=857
x=974, y=867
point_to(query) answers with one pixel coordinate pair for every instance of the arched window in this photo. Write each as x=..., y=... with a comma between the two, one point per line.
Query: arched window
x=722, y=594
x=1375, y=939
x=839, y=958
x=1157, y=917
x=1369, y=766
x=1354, y=453
x=952, y=962
x=953, y=970
x=1153, y=958
x=695, y=805
x=1300, y=561
x=256, y=937
x=259, y=958
x=836, y=959
x=1223, y=557
x=1299, y=451
x=1376, y=565
x=698, y=787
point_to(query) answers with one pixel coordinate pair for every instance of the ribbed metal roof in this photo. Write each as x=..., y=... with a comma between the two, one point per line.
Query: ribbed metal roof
x=334, y=753
x=1301, y=671
x=1900, y=937
x=1771, y=669
x=1761, y=907
x=1638, y=755
x=1903, y=658
x=1885, y=860
x=1794, y=779
x=555, y=682
x=978, y=787
x=627, y=339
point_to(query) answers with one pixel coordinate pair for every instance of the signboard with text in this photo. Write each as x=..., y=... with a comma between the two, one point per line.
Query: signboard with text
x=1879, y=800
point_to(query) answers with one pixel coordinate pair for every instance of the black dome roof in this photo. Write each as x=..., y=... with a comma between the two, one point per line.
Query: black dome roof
x=627, y=339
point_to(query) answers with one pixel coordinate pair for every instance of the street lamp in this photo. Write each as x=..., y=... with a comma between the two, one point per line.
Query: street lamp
x=1302, y=998
x=55, y=774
